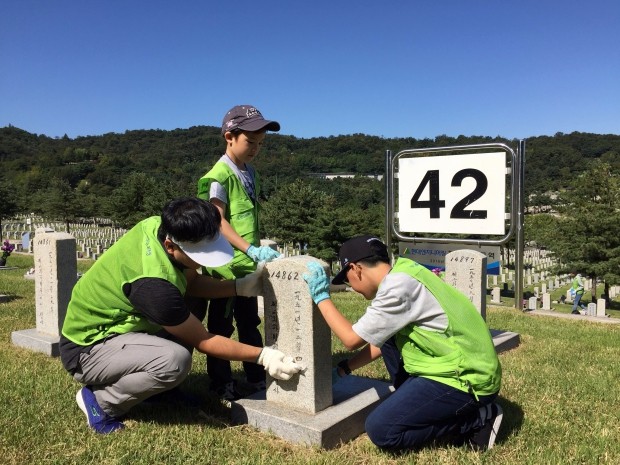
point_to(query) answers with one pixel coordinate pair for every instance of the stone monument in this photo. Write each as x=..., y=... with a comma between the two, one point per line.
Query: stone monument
x=55, y=275
x=466, y=271
x=307, y=408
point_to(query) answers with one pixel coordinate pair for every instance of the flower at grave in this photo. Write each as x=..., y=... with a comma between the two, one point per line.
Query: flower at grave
x=437, y=271
x=7, y=248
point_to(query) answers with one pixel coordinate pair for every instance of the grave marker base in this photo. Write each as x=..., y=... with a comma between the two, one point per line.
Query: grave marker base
x=504, y=340
x=36, y=341
x=354, y=398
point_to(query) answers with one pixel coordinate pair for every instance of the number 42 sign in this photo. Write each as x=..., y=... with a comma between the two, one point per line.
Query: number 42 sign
x=459, y=194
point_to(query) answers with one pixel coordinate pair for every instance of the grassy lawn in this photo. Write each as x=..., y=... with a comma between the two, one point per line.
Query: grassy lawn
x=560, y=395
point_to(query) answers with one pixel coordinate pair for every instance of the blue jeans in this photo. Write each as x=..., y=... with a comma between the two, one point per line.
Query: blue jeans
x=421, y=410
x=220, y=321
x=577, y=302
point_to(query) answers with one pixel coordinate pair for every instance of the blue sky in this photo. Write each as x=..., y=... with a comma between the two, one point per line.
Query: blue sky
x=408, y=68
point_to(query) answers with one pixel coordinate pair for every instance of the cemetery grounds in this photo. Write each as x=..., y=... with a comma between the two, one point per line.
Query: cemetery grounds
x=560, y=396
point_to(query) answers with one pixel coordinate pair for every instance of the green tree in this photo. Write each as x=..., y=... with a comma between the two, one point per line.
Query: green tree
x=59, y=201
x=138, y=197
x=8, y=201
x=289, y=212
x=585, y=236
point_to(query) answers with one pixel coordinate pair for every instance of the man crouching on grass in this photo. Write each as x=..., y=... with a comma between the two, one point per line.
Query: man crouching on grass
x=435, y=345
x=128, y=333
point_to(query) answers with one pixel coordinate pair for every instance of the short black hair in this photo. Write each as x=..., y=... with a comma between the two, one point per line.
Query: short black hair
x=189, y=219
x=371, y=262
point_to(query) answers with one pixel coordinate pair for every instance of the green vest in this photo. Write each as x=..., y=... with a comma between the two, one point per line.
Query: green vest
x=241, y=213
x=463, y=356
x=98, y=306
x=578, y=286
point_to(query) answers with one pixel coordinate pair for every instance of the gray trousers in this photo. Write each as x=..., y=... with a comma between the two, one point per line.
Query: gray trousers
x=127, y=369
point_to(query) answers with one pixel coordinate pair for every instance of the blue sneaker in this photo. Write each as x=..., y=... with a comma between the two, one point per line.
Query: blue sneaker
x=97, y=419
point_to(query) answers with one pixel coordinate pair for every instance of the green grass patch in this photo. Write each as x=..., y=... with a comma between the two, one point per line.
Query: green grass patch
x=560, y=397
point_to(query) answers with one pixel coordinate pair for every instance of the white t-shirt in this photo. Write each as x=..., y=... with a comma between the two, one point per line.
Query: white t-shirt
x=217, y=191
x=400, y=301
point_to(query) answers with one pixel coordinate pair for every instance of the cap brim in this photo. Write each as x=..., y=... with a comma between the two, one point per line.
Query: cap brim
x=209, y=252
x=259, y=125
x=340, y=277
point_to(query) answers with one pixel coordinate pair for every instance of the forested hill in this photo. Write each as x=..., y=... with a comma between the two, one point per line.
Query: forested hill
x=179, y=157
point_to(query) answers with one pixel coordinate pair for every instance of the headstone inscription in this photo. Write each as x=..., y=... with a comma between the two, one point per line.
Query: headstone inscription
x=466, y=271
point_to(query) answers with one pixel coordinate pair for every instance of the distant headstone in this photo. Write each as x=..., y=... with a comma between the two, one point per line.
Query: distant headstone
x=546, y=301
x=591, y=309
x=495, y=295
x=55, y=275
x=26, y=240
x=532, y=303
x=466, y=271
x=600, y=307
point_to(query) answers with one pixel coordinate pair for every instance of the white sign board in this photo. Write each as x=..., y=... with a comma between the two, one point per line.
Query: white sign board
x=460, y=194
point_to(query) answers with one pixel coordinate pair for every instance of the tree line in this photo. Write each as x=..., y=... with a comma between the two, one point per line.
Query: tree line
x=127, y=177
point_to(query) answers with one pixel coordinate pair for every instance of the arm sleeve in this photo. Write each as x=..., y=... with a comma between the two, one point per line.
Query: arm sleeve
x=217, y=191
x=400, y=301
x=158, y=300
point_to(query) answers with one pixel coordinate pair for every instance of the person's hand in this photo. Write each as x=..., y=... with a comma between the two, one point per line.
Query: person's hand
x=251, y=284
x=277, y=364
x=318, y=282
x=262, y=253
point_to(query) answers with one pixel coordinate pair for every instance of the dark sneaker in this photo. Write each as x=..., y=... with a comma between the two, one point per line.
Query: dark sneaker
x=491, y=418
x=257, y=386
x=174, y=396
x=97, y=419
x=228, y=392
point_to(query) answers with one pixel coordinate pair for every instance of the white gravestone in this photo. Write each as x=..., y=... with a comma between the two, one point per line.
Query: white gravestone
x=496, y=295
x=287, y=302
x=295, y=326
x=600, y=307
x=466, y=271
x=55, y=275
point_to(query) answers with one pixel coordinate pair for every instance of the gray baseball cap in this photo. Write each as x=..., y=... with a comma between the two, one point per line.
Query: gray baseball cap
x=247, y=118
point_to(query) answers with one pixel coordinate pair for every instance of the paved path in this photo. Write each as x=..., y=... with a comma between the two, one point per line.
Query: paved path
x=569, y=316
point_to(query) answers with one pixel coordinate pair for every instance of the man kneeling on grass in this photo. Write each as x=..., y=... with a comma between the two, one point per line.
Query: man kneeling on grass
x=435, y=345
x=128, y=333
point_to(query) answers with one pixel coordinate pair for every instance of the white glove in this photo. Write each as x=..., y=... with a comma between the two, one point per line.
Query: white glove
x=251, y=284
x=277, y=364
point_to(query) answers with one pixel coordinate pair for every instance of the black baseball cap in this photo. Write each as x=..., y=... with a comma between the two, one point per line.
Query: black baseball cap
x=247, y=118
x=356, y=249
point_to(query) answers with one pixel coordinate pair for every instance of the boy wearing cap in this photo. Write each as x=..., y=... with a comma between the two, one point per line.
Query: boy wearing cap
x=128, y=335
x=435, y=345
x=233, y=186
